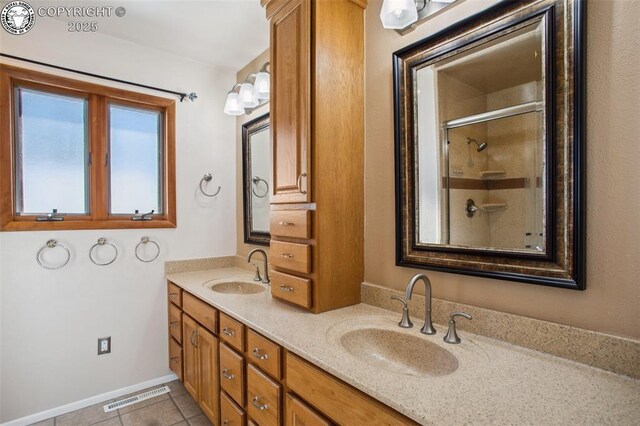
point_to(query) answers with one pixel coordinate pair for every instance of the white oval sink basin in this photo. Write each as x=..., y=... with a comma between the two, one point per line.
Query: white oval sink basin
x=399, y=352
x=237, y=287
x=380, y=343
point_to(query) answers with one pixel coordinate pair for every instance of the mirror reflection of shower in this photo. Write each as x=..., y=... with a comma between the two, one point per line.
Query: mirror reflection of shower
x=481, y=146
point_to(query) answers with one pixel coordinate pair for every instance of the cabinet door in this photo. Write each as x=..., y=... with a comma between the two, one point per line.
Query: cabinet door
x=290, y=103
x=208, y=368
x=299, y=414
x=190, y=354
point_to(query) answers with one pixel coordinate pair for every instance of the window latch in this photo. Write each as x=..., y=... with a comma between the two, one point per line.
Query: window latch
x=50, y=217
x=143, y=216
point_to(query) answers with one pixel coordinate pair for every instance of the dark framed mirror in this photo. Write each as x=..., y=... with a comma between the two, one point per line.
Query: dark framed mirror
x=256, y=176
x=489, y=146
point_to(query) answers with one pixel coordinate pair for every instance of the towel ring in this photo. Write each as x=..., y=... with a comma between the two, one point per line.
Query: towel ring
x=256, y=181
x=102, y=242
x=146, y=240
x=207, y=178
x=50, y=245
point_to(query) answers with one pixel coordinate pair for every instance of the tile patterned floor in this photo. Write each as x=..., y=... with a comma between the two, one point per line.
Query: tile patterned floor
x=173, y=408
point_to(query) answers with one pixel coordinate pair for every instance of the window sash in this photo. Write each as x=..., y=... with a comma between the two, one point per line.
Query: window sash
x=19, y=186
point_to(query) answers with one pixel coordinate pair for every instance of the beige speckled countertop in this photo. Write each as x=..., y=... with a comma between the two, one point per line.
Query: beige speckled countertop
x=495, y=382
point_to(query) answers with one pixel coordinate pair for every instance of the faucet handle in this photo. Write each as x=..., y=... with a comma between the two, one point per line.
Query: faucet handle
x=257, y=277
x=405, y=322
x=452, y=336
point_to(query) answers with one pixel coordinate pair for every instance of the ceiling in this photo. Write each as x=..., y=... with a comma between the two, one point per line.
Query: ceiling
x=228, y=33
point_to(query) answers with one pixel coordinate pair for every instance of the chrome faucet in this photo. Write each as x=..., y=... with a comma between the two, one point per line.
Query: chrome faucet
x=266, y=279
x=427, y=328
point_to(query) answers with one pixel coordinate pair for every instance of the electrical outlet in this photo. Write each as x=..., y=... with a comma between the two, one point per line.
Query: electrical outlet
x=104, y=345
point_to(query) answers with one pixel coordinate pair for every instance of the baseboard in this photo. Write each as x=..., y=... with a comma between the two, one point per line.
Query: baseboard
x=67, y=408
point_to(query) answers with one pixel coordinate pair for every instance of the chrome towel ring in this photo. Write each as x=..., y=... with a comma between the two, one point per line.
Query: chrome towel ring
x=145, y=241
x=103, y=242
x=51, y=244
x=206, y=179
x=256, y=181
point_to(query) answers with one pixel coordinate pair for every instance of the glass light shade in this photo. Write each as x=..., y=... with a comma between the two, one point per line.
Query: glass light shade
x=398, y=14
x=261, y=85
x=232, y=105
x=247, y=97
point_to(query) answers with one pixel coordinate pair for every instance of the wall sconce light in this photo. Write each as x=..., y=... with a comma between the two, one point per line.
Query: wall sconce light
x=252, y=93
x=405, y=15
x=232, y=105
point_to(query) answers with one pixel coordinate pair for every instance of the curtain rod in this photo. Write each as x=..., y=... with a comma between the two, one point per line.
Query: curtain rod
x=191, y=96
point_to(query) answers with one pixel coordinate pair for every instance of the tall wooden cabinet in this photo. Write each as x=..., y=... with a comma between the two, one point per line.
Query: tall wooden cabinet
x=317, y=125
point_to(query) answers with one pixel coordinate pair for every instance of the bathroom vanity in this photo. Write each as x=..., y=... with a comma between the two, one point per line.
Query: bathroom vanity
x=272, y=363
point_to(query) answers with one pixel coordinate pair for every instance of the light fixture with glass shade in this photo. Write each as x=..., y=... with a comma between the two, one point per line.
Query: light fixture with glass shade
x=232, y=105
x=261, y=85
x=247, y=95
x=252, y=93
x=405, y=15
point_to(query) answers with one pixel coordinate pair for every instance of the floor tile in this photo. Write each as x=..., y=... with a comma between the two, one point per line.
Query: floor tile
x=48, y=422
x=85, y=416
x=200, y=420
x=177, y=388
x=113, y=421
x=144, y=403
x=163, y=413
x=187, y=405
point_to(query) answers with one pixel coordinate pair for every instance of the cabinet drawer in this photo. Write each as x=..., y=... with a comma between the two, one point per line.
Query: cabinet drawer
x=291, y=256
x=232, y=332
x=291, y=223
x=232, y=373
x=205, y=314
x=264, y=353
x=175, y=323
x=175, y=357
x=230, y=413
x=291, y=288
x=174, y=294
x=337, y=400
x=300, y=414
x=263, y=398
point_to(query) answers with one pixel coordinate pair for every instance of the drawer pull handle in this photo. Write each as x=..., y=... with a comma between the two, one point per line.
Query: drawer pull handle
x=286, y=255
x=173, y=294
x=286, y=288
x=175, y=358
x=227, y=375
x=283, y=223
x=228, y=332
x=173, y=323
x=225, y=422
x=256, y=353
x=256, y=403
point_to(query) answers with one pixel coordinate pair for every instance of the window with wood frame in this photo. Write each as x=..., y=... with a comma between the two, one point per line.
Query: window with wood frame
x=76, y=155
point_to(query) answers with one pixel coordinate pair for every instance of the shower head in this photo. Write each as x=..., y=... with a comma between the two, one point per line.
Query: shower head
x=481, y=146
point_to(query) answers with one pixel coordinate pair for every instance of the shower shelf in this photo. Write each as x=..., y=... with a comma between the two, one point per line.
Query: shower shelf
x=493, y=207
x=492, y=174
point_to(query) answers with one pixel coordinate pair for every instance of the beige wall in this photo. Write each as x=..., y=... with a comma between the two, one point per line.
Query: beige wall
x=250, y=68
x=611, y=302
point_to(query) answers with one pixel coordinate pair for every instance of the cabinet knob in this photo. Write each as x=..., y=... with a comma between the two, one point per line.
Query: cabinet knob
x=299, y=183
x=173, y=294
x=173, y=324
